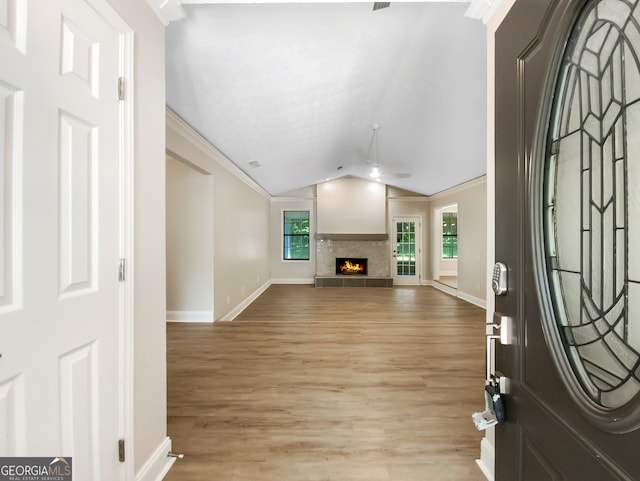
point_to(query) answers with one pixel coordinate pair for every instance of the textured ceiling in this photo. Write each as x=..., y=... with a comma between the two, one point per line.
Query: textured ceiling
x=298, y=87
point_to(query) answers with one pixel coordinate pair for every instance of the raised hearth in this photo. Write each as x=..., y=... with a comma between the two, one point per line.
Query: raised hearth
x=353, y=281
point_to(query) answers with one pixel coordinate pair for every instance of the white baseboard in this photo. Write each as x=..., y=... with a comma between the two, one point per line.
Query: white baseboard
x=444, y=288
x=486, y=462
x=190, y=316
x=472, y=299
x=293, y=281
x=158, y=465
x=448, y=273
x=456, y=293
x=236, y=311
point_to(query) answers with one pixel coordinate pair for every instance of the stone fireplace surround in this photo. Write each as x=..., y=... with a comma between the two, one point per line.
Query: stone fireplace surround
x=374, y=247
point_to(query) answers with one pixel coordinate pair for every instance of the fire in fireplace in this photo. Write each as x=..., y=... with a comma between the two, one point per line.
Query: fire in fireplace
x=351, y=266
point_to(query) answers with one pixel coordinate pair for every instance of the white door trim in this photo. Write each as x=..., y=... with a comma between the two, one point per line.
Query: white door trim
x=437, y=241
x=127, y=252
x=419, y=247
x=126, y=216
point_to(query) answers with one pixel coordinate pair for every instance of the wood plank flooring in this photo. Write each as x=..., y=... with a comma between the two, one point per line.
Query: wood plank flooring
x=333, y=384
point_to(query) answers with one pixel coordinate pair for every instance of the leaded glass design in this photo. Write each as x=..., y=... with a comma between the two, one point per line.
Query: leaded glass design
x=592, y=203
x=406, y=248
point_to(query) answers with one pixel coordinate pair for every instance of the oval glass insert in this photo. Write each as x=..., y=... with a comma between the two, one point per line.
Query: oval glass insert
x=591, y=214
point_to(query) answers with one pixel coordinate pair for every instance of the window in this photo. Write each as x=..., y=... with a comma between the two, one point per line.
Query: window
x=295, y=235
x=449, y=235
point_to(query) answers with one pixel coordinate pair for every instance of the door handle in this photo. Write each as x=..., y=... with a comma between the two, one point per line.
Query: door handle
x=504, y=325
x=501, y=330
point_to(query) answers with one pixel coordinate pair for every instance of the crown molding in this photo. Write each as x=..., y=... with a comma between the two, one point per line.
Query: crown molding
x=293, y=199
x=413, y=198
x=460, y=187
x=483, y=9
x=177, y=124
x=167, y=10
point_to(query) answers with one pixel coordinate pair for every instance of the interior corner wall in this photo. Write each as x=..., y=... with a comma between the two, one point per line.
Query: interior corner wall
x=241, y=221
x=472, y=236
x=189, y=242
x=149, y=342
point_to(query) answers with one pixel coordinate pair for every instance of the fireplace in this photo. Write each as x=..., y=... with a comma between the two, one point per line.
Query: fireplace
x=351, y=266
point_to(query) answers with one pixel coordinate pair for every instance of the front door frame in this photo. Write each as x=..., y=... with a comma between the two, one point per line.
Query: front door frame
x=486, y=461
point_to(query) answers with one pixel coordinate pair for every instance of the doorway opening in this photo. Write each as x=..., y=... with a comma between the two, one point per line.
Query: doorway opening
x=446, y=246
x=189, y=243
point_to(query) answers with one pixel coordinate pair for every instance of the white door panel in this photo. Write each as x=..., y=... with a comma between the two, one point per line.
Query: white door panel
x=60, y=237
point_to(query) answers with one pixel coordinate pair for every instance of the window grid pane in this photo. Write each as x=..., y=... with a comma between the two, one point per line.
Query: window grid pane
x=406, y=249
x=449, y=235
x=295, y=235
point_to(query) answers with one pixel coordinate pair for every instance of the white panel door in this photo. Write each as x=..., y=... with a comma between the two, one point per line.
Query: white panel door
x=406, y=251
x=60, y=235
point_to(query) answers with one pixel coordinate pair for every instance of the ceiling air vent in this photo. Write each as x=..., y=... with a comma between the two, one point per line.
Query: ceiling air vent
x=254, y=164
x=379, y=5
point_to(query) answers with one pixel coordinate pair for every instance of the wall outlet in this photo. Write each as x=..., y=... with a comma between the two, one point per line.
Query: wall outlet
x=228, y=299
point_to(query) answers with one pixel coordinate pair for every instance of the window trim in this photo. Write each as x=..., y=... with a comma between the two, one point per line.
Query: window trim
x=443, y=236
x=282, y=234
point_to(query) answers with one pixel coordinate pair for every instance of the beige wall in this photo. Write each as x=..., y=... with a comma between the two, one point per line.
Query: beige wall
x=189, y=243
x=292, y=272
x=241, y=228
x=471, y=199
x=241, y=243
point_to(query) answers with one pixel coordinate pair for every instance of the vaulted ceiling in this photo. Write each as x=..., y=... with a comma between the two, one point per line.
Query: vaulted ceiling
x=291, y=92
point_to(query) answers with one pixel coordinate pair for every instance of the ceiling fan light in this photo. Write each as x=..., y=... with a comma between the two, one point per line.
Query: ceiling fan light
x=375, y=172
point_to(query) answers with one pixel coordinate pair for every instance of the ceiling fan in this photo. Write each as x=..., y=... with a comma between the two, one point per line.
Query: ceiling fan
x=379, y=172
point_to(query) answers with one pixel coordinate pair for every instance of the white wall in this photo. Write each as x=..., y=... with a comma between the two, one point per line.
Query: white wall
x=292, y=272
x=189, y=243
x=471, y=199
x=241, y=213
x=149, y=349
x=350, y=205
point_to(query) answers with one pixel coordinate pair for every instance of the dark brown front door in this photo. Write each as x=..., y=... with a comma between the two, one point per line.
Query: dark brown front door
x=568, y=229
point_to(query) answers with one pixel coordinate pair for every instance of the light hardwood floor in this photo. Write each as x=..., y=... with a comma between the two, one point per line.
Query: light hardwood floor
x=340, y=384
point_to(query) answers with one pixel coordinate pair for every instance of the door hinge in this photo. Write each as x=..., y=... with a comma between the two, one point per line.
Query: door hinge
x=120, y=88
x=121, y=270
x=121, y=450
